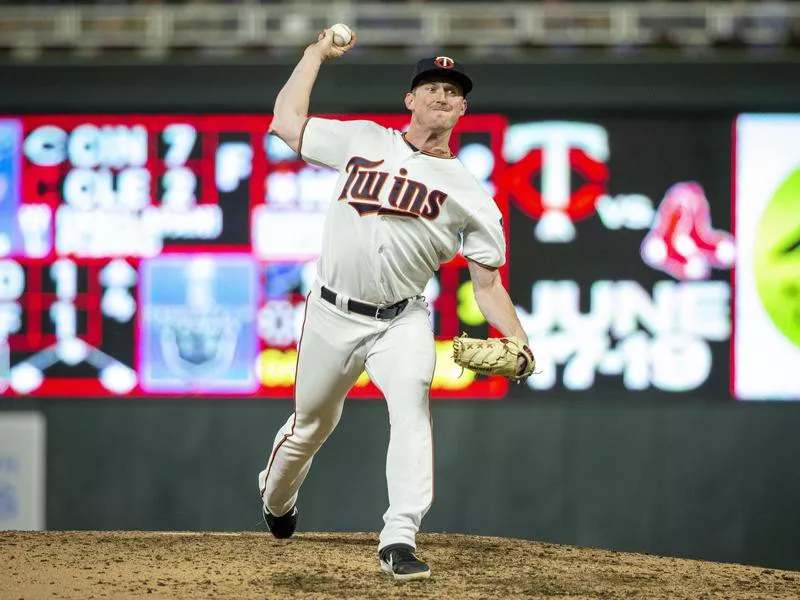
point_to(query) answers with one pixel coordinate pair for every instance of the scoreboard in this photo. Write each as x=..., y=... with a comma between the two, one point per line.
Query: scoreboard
x=172, y=254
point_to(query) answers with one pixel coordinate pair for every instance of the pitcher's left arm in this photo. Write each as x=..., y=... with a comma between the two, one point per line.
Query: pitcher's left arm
x=494, y=302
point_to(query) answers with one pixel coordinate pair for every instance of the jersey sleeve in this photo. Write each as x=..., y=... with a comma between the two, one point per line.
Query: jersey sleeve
x=327, y=141
x=483, y=238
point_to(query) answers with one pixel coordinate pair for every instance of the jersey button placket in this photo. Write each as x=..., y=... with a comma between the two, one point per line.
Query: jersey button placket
x=379, y=248
x=380, y=257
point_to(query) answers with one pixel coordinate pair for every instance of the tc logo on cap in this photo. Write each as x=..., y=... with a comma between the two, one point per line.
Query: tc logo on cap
x=444, y=61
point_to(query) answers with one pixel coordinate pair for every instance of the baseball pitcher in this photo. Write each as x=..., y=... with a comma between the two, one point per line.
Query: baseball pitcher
x=403, y=204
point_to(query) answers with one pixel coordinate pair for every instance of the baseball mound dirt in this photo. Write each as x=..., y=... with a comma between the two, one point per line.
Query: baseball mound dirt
x=336, y=565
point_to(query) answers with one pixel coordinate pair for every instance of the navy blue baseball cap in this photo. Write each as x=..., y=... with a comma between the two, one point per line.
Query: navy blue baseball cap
x=442, y=67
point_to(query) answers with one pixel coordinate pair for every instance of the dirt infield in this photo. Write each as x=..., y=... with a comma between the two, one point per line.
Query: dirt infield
x=187, y=565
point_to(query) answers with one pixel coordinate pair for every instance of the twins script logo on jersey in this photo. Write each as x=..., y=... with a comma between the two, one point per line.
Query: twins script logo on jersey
x=554, y=150
x=407, y=198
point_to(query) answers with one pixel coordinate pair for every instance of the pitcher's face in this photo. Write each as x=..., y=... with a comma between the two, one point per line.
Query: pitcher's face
x=436, y=105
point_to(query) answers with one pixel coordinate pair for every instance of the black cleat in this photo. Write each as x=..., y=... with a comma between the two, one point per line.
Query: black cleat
x=401, y=563
x=281, y=527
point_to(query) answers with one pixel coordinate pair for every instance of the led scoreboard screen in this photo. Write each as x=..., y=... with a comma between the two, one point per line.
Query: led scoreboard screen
x=172, y=255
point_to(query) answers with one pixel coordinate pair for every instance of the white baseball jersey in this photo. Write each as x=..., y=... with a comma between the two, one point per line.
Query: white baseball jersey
x=397, y=212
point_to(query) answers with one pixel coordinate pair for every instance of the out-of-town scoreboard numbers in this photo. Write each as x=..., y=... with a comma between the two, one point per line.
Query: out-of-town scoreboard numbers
x=172, y=255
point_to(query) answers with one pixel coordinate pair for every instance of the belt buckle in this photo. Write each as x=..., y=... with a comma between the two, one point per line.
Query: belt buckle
x=377, y=312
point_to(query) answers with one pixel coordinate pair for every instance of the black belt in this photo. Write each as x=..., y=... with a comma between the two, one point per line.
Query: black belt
x=368, y=310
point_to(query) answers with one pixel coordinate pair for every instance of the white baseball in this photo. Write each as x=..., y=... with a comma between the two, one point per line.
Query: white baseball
x=341, y=34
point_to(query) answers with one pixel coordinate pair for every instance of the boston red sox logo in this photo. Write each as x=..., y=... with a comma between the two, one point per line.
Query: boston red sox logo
x=682, y=241
x=445, y=62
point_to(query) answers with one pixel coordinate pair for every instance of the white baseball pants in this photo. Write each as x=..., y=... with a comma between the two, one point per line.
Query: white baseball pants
x=399, y=357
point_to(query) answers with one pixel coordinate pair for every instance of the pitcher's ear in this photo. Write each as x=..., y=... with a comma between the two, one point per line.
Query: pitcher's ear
x=409, y=100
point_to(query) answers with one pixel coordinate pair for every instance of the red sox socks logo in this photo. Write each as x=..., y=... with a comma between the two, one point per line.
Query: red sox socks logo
x=682, y=241
x=407, y=198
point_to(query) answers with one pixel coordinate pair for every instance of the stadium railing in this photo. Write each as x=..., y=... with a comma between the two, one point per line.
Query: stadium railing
x=157, y=30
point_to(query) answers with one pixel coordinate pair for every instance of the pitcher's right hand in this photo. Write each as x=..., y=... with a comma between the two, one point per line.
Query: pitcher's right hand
x=325, y=48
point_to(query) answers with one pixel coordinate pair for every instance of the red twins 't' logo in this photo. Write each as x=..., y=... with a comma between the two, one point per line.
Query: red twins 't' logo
x=444, y=61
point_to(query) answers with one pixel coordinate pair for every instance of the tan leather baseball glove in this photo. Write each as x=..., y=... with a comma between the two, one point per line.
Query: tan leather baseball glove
x=494, y=356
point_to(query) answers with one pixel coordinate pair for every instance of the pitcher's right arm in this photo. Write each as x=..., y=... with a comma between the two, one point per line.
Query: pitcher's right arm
x=291, y=105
